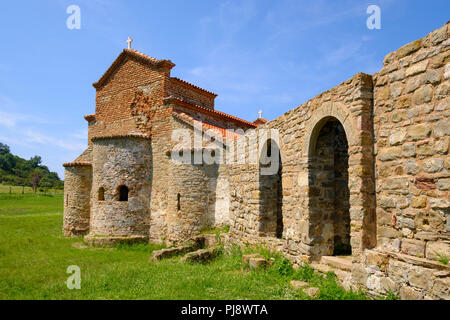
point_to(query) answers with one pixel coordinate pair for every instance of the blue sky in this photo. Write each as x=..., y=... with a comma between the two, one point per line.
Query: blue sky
x=256, y=54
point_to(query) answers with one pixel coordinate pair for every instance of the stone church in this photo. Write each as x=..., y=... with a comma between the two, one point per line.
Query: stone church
x=362, y=187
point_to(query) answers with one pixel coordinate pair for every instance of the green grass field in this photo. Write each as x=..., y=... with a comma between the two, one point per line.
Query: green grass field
x=26, y=190
x=34, y=257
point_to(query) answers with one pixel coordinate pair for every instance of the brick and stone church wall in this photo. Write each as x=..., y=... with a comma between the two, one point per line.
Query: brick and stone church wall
x=196, y=197
x=121, y=163
x=190, y=93
x=114, y=98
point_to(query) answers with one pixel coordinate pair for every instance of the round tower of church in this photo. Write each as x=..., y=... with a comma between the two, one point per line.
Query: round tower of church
x=77, y=189
x=121, y=189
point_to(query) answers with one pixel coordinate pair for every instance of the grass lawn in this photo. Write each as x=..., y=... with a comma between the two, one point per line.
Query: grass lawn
x=18, y=190
x=34, y=257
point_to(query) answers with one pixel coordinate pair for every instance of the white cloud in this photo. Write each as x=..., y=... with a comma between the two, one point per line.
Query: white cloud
x=39, y=138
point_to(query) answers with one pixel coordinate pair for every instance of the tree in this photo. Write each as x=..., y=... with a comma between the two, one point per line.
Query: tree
x=45, y=183
x=35, y=179
x=35, y=161
x=4, y=149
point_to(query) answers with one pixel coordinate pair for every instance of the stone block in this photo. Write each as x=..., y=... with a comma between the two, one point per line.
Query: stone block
x=419, y=202
x=408, y=49
x=257, y=263
x=408, y=293
x=417, y=68
x=397, y=137
x=433, y=165
x=423, y=95
x=442, y=128
x=210, y=240
x=419, y=132
x=443, y=184
x=441, y=288
x=421, y=277
x=435, y=249
x=312, y=291
x=389, y=154
x=295, y=284
x=246, y=258
x=413, y=247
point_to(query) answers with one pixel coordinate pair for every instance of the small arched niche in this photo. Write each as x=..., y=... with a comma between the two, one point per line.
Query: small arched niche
x=101, y=194
x=123, y=193
x=271, y=191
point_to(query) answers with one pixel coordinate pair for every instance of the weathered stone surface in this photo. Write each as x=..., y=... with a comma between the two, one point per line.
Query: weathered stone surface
x=443, y=184
x=246, y=258
x=408, y=293
x=419, y=202
x=296, y=284
x=417, y=68
x=172, y=252
x=421, y=278
x=419, y=132
x=433, y=165
x=200, y=256
x=432, y=77
x=437, y=249
x=425, y=183
x=413, y=247
x=312, y=291
x=210, y=240
x=423, y=95
x=409, y=49
x=442, y=128
x=257, y=263
x=397, y=137
x=441, y=288
x=411, y=167
x=389, y=154
x=439, y=204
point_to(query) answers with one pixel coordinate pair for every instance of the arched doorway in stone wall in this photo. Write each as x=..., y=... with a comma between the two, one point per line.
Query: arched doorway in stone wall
x=329, y=194
x=271, y=191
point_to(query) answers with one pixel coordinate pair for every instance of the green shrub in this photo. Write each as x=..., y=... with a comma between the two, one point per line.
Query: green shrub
x=283, y=267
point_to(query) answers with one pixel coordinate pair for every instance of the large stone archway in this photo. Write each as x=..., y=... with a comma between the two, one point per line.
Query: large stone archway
x=341, y=198
x=329, y=195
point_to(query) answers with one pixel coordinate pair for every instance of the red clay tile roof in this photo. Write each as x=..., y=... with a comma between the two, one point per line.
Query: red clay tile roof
x=209, y=111
x=135, y=54
x=191, y=121
x=121, y=136
x=192, y=85
x=260, y=121
x=89, y=117
x=77, y=164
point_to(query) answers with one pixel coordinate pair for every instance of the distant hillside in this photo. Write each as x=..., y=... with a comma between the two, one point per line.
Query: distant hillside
x=15, y=170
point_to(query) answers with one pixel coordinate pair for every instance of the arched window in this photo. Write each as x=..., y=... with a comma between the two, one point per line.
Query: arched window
x=101, y=194
x=178, y=202
x=123, y=193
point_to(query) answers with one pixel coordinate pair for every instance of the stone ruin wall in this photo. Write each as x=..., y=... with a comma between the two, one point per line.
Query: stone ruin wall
x=397, y=122
x=412, y=133
x=350, y=103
